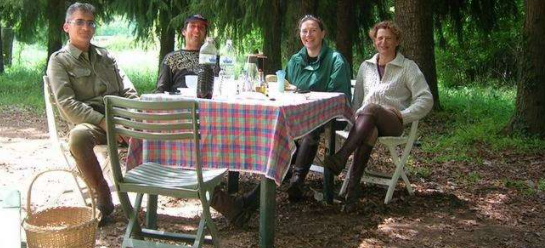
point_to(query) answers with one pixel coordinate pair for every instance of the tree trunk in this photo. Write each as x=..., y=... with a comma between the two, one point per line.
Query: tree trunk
x=295, y=10
x=272, y=40
x=414, y=17
x=55, y=20
x=167, y=37
x=529, y=115
x=1, y=53
x=345, y=35
x=7, y=45
x=309, y=7
x=292, y=42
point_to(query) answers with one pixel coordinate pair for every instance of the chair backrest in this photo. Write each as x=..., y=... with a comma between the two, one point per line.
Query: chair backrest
x=53, y=116
x=173, y=120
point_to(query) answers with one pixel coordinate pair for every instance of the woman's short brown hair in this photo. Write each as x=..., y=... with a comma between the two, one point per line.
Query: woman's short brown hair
x=312, y=18
x=394, y=28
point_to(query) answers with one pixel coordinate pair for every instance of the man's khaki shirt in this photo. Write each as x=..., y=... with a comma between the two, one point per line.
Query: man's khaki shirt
x=79, y=81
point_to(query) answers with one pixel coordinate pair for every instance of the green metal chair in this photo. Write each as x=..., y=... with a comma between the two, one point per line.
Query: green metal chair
x=176, y=120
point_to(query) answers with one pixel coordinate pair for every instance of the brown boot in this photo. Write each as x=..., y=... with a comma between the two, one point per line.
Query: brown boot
x=353, y=191
x=251, y=199
x=232, y=208
x=335, y=164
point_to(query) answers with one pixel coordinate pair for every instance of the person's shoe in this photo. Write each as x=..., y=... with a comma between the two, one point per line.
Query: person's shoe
x=105, y=220
x=106, y=208
x=349, y=207
x=241, y=220
x=335, y=164
x=295, y=191
x=250, y=200
x=353, y=193
x=104, y=200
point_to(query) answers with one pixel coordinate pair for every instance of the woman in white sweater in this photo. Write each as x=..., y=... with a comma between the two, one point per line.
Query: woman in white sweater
x=394, y=92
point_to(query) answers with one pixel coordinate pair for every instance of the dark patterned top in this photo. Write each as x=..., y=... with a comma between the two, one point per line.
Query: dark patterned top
x=176, y=65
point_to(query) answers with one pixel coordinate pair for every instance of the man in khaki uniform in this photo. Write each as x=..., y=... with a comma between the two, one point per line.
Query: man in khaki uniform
x=81, y=74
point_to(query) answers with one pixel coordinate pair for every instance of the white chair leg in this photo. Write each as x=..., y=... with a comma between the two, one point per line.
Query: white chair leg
x=392, y=185
x=407, y=183
x=345, y=182
x=397, y=173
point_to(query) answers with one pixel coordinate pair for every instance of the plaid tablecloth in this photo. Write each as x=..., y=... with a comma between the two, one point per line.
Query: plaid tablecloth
x=246, y=134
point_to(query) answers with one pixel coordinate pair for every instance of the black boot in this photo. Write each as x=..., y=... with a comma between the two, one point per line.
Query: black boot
x=305, y=155
x=295, y=190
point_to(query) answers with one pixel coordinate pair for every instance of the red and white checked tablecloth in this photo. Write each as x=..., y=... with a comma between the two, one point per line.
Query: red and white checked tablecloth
x=245, y=134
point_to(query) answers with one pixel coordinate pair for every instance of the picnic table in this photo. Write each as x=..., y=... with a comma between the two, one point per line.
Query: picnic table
x=247, y=133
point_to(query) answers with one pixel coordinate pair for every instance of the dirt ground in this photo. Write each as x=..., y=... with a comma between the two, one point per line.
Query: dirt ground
x=447, y=210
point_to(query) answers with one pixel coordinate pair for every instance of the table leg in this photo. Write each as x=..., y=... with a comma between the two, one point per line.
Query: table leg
x=151, y=214
x=330, y=150
x=267, y=213
x=232, y=182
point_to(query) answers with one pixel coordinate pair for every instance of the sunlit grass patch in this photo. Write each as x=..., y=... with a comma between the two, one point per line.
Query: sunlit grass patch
x=473, y=119
x=21, y=87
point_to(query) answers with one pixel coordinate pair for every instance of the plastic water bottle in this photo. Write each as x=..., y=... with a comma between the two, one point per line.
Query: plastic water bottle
x=227, y=64
x=227, y=60
x=207, y=58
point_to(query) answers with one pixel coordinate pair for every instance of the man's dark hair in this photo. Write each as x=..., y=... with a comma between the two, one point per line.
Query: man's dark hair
x=196, y=17
x=77, y=6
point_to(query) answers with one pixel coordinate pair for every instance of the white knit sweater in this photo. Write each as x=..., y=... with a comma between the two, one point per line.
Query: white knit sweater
x=403, y=86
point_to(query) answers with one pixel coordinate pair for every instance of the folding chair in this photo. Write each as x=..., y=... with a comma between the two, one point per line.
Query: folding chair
x=61, y=146
x=392, y=143
x=160, y=121
x=398, y=159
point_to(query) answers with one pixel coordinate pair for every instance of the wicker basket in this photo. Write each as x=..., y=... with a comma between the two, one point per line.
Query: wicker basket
x=73, y=227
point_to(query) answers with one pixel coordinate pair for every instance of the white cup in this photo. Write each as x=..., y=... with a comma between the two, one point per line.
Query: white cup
x=191, y=81
x=188, y=92
x=273, y=89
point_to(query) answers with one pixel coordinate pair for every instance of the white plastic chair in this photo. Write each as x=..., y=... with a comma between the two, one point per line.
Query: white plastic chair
x=61, y=146
x=398, y=159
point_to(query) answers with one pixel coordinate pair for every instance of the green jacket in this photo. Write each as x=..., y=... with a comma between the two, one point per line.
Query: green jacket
x=329, y=73
x=79, y=86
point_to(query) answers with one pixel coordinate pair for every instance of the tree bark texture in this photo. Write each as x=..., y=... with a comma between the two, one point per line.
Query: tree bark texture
x=55, y=19
x=415, y=19
x=272, y=37
x=530, y=104
x=7, y=45
x=291, y=35
x=345, y=35
x=167, y=37
x=295, y=10
x=309, y=7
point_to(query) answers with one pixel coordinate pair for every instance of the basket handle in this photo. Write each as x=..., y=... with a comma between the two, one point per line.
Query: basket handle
x=74, y=174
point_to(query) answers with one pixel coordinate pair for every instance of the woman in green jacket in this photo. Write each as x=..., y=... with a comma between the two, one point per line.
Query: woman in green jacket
x=316, y=67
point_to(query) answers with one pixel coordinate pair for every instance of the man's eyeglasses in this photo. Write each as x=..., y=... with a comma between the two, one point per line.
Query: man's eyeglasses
x=81, y=23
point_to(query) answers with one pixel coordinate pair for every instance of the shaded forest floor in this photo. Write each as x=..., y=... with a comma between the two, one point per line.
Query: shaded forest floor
x=492, y=200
